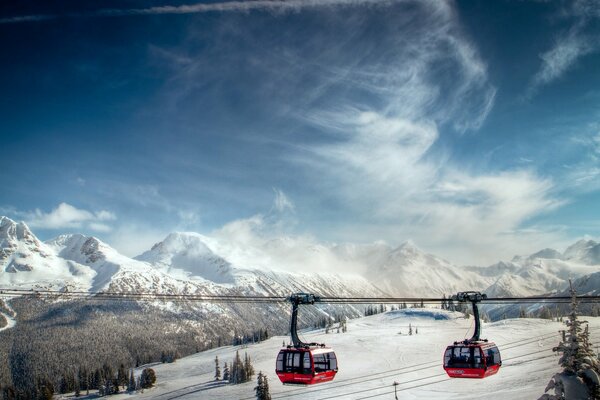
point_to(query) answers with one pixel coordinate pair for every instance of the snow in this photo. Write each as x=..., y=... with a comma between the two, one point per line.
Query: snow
x=10, y=317
x=373, y=355
x=185, y=255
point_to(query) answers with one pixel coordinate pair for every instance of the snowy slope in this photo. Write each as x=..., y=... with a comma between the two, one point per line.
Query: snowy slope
x=373, y=355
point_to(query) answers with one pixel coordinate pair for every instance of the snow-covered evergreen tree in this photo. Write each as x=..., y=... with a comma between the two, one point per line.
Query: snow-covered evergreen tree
x=249, y=369
x=217, y=369
x=226, y=374
x=262, y=387
x=580, y=378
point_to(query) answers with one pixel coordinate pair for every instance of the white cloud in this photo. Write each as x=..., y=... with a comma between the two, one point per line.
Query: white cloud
x=68, y=216
x=132, y=239
x=385, y=166
x=99, y=227
x=569, y=46
x=227, y=6
x=566, y=51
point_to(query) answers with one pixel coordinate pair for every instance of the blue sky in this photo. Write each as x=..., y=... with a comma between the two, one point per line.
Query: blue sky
x=472, y=128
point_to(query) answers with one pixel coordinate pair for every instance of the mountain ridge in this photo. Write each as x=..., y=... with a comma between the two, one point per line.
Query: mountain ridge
x=188, y=262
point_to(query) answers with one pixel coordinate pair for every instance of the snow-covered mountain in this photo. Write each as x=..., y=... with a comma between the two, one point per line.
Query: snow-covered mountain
x=186, y=256
x=26, y=262
x=408, y=271
x=584, y=251
x=535, y=274
x=181, y=264
x=187, y=262
x=112, y=270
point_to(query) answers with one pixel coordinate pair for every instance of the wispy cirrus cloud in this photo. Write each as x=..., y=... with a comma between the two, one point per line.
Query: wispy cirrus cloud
x=385, y=160
x=195, y=8
x=570, y=45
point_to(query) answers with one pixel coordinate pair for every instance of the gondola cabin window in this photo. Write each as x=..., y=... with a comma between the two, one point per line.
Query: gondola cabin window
x=325, y=362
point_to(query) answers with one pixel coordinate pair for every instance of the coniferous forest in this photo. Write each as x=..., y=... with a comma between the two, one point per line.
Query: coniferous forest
x=65, y=346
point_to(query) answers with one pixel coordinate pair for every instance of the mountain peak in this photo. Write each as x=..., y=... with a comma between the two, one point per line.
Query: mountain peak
x=586, y=251
x=11, y=231
x=408, y=248
x=80, y=248
x=186, y=255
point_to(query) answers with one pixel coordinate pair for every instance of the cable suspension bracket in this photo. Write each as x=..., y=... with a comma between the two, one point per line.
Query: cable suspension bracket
x=296, y=299
x=473, y=298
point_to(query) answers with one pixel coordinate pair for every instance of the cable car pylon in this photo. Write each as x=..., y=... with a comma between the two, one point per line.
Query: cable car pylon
x=304, y=363
x=474, y=357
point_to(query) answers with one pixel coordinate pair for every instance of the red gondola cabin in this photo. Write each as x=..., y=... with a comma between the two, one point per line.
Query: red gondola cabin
x=472, y=360
x=306, y=366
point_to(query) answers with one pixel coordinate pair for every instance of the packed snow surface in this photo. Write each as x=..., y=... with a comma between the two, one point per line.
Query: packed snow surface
x=376, y=352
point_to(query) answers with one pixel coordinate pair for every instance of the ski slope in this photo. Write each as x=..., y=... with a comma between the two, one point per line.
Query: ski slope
x=375, y=352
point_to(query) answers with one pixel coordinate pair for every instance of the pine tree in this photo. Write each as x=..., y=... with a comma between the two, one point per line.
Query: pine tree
x=237, y=370
x=416, y=330
x=148, y=378
x=522, y=313
x=262, y=387
x=578, y=361
x=545, y=313
x=131, y=383
x=248, y=368
x=44, y=389
x=122, y=376
x=226, y=375
x=217, y=369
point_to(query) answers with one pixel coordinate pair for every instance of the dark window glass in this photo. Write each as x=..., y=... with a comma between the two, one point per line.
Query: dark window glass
x=320, y=362
x=279, y=363
x=332, y=361
x=448, y=360
x=461, y=357
x=306, y=362
x=477, y=361
x=493, y=356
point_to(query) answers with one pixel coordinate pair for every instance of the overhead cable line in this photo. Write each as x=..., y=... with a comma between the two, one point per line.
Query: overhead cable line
x=194, y=297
